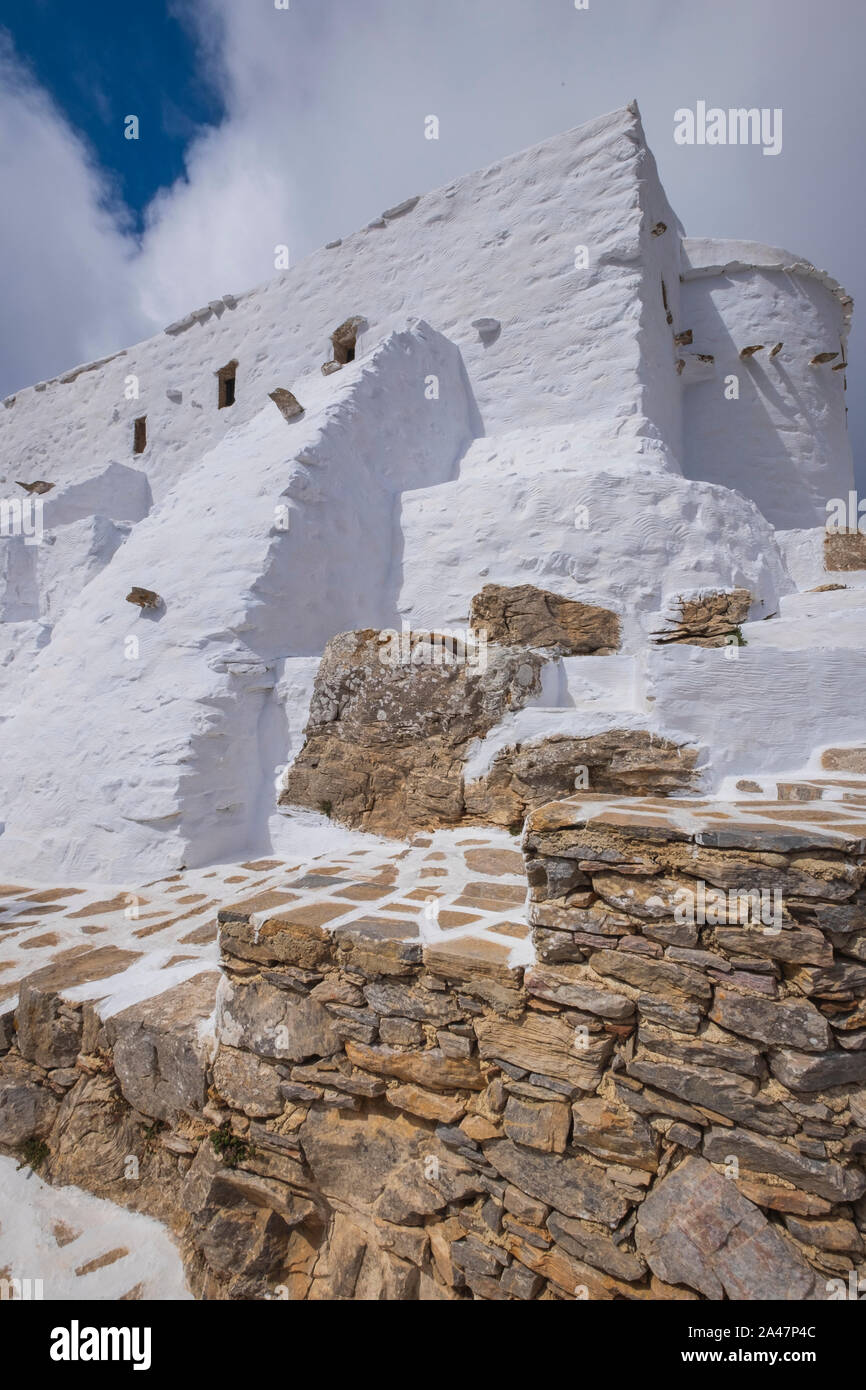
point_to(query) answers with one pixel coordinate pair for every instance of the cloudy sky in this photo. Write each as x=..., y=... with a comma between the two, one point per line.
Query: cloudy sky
x=261, y=126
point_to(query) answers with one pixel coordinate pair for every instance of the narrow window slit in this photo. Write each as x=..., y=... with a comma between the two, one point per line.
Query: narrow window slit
x=226, y=377
x=344, y=340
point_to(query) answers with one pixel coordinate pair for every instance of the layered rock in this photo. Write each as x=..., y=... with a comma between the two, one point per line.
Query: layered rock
x=619, y=761
x=525, y=616
x=394, y=717
x=709, y=619
x=724, y=942
x=390, y=722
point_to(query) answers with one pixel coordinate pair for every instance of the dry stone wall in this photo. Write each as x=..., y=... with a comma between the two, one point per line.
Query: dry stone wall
x=658, y=1108
x=667, y=1103
x=727, y=944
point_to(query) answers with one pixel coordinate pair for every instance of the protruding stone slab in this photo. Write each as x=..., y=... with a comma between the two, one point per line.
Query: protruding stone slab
x=162, y=1048
x=404, y=1001
x=547, y=1045
x=431, y=1068
x=471, y=957
x=49, y=1029
x=662, y=977
x=259, y=1018
x=414, y=1099
x=761, y=1154
x=287, y=404
x=571, y=1186
x=785, y=1023
x=378, y=945
x=525, y=616
x=709, y=619
x=717, y=1091
x=696, y=1228
x=591, y=1244
x=575, y=988
x=801, y=1072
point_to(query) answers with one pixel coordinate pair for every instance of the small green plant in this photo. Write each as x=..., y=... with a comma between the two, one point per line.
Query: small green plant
x=326, y=807
x=229, y=1147
x=33, y=1155
x=152, y=1131
x=738, y=633
x=515, y=827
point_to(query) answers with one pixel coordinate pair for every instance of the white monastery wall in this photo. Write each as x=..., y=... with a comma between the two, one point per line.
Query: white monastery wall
x=539, y=508
x=577, y=443
x=784, y=442
x=500, y=243
x=167, y=755
x=764, y=712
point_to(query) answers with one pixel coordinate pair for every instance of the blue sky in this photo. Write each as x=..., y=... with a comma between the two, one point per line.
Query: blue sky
x=101, y=59
x=260, y=127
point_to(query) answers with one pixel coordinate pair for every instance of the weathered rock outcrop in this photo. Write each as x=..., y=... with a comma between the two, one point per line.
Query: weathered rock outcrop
x=393, y=718
x=390, y=723
x=844, y=550
x=710, y=619
x=525, y=616
x=623, y=762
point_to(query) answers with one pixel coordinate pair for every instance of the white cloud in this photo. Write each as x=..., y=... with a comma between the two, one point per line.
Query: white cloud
x=66, y=255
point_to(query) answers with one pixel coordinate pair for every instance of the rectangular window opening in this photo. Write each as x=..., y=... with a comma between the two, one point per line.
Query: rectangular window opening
x=344, y=340
x=226, y=377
